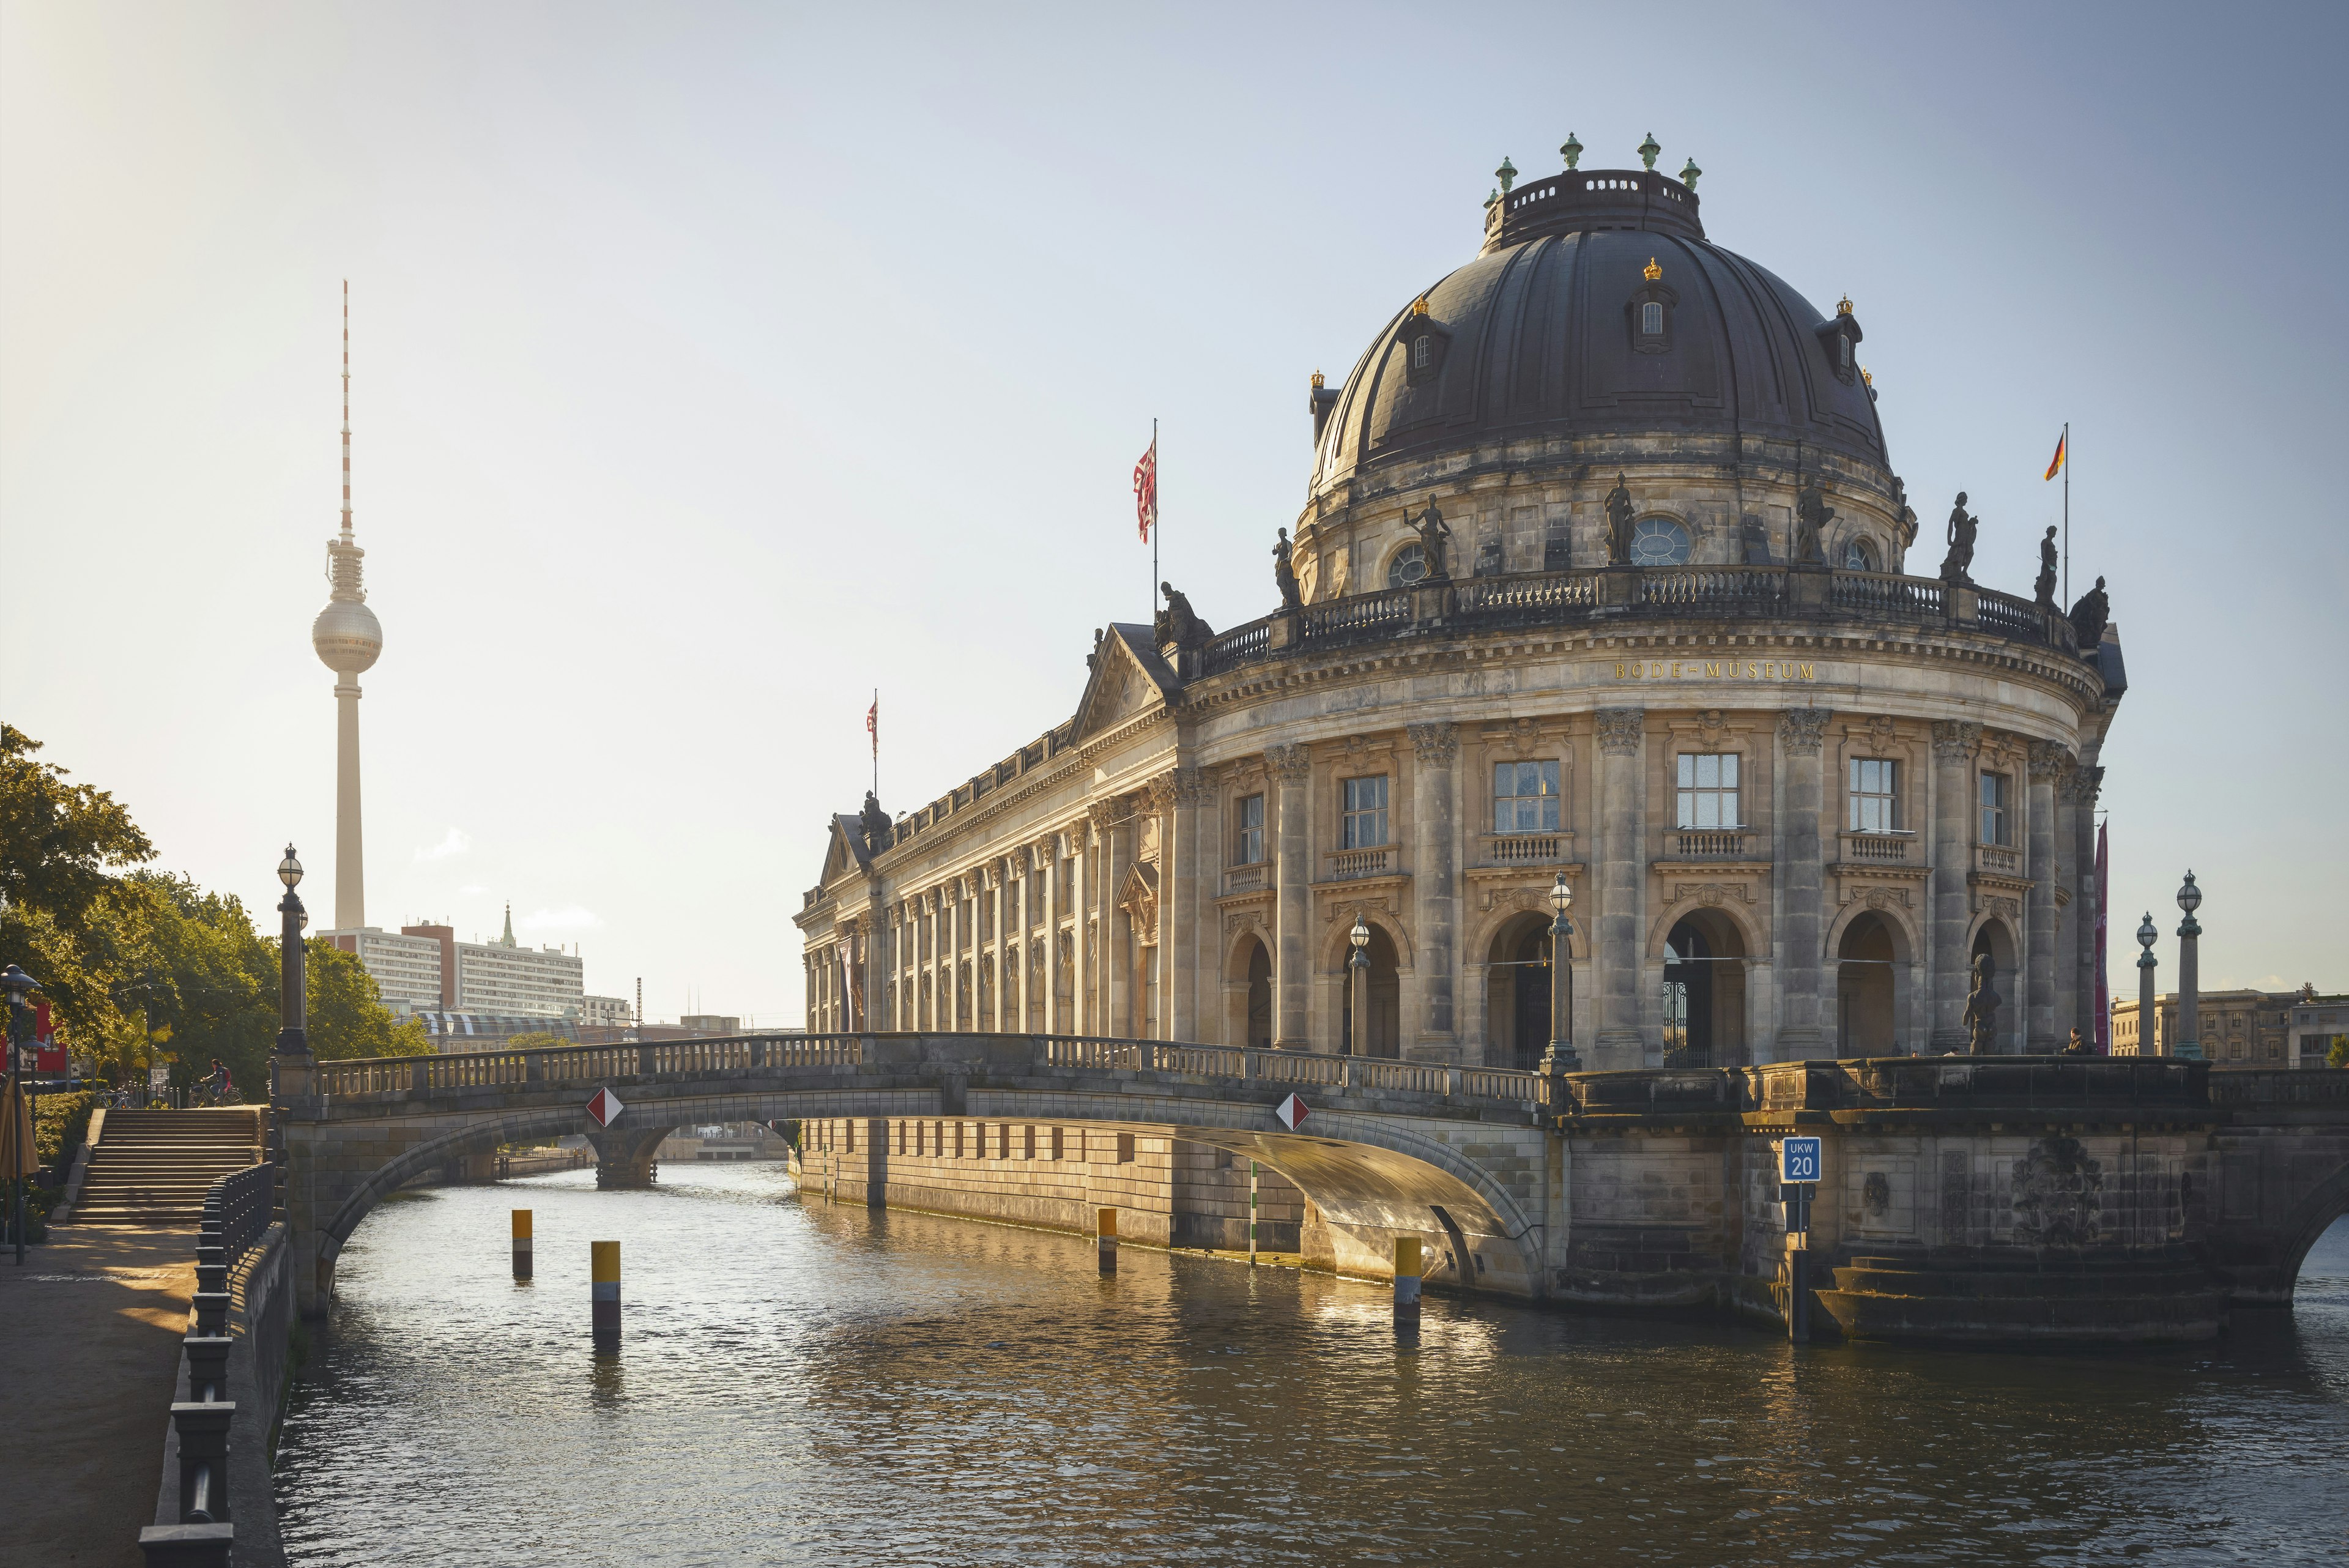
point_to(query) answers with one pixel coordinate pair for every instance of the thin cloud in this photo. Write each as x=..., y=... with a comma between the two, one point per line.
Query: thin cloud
x=471, y=891
x=456, y=843
x=569, y=918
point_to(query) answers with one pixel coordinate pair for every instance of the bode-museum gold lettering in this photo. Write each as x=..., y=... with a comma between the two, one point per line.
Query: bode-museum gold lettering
x=1713, y=669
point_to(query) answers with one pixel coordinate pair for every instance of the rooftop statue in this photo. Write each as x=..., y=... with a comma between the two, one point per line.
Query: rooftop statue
x=874, y=822
x=2043, y=590
x=1961, y=558
x=1284, y=573
x=1432, y=532
x=1812, y=515
x=1093, y=659
x=1177, y=624
x=1981, y=1010
x=1618, y=523
x=2089, y=617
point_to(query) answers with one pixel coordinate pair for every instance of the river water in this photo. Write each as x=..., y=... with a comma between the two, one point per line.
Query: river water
x=803, y=1384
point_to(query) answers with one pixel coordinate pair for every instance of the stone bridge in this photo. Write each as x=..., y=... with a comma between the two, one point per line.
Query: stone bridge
x=1997, y=1197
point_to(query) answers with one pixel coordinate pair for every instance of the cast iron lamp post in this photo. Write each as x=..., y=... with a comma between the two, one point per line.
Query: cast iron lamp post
x=292, y=1032
x=1357, y=965
x=1560, y=1057
x=2147, y=935
x=20, y=1034
x=2190, y=974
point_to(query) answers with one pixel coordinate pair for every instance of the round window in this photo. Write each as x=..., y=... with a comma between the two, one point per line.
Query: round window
x=1859, y=556
x=1659, y=542
x=1409, y=565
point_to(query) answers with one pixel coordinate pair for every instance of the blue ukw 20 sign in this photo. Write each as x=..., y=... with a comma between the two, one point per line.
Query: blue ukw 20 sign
x=1798, y=1159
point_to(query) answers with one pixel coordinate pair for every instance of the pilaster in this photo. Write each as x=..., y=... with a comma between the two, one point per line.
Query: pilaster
x=1615, y=945
x=1955, y=742
x=1291, y=768
x=1435, y=749
x=1802, y=935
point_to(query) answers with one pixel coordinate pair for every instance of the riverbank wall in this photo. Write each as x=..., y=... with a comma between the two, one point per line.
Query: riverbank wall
x=1168, y=1192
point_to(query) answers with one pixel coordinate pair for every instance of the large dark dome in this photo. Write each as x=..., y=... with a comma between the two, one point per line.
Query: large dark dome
x=1541, y=336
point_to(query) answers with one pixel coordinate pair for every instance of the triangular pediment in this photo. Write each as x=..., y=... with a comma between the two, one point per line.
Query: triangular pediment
x=1128, y=679
x=844, y=852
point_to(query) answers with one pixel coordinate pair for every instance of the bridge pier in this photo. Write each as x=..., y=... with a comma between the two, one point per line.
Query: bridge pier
x=624, y=1157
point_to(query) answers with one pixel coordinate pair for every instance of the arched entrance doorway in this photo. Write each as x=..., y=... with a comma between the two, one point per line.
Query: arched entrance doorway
x=1704, y=992
x=1386, y=1023
x=1867, y=1010
x=1516, y=993
x=1258, y=969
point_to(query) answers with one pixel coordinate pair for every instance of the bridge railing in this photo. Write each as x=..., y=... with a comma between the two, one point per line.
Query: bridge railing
x=2284, y=1086
x=585, y=1065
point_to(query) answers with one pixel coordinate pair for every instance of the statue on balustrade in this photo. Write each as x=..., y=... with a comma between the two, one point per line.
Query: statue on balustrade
x=1432, y=532
x=1284, y=573
x=1176, y=624
x=874, y=824
x=1961, y=558
x=1618, y=523
x=1812, y=515
x=2043, y=590
x=1982, y=1011
x=2090, y=616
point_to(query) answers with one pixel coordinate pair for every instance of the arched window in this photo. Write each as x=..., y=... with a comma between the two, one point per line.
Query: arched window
x=1659, y=542
x=1858, y=555
x=1423, y=352
x=1651, y=318
x=1844, y=353
x=1409, y=566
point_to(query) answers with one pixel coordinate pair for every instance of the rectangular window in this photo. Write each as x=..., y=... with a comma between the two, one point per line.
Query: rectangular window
x=1994, y=809
x=1874, y=806
x=1247, y=849
x=1059, y=1148
x=1708, y=790
x=1125, y=1148
x=1366, y=813
x=1028, y=1145
x=1525, y=797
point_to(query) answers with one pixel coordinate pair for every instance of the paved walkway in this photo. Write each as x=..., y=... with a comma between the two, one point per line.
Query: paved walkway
x=89, y=1349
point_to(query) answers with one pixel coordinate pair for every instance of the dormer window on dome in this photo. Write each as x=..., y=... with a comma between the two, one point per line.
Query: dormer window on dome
x=1840, y=334
x=1424, y=344
x=1649, y=312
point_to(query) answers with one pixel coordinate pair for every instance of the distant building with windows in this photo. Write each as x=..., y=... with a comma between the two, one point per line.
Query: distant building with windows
x=2317, y=1024
x=606, y=1012
x=424, y=968
x=406, y=968
x=1602, y=575
x=2269, y=1029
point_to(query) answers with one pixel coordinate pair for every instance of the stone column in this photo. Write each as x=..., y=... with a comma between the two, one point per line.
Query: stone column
x=2085, y=907
x=1117, y=928
x=1615, y=933
x=1434, y=749
x=996, y=876
x=2047, y=762
x=1102, y=925
x=1954, y=744
x=1081, y=893
x=1048, y=860
x=1801, y=940
x=934, y=915
x=952, y=978
x=1186, y=942
x=1291, y=768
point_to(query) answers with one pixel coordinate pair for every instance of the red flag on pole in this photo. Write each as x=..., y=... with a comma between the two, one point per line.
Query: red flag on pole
x=872, y=723
x=1145, y=489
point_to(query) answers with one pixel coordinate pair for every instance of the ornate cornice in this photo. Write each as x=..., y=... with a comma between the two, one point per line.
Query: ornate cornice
x=1801, y=730
x=1437, y=743
x=1955, y=740
x=1621, y=731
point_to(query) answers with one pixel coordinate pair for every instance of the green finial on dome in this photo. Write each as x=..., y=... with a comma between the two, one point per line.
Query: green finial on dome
x=1506, y=174
x=1648, y=150
x=1492, y=198
x=1689, y=173
x=1572, y=149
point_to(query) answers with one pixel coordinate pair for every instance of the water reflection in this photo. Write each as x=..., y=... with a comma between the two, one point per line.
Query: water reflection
x=803, y=1384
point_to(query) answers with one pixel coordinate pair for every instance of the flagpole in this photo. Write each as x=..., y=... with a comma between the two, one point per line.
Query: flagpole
x=876, y=743
x=2067, y=512
x=1156, y=520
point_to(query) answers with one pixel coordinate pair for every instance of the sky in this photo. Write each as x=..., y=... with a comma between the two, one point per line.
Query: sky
x=715, y=365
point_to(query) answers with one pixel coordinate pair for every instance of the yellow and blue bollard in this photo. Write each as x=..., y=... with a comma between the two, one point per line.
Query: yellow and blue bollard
x=522, y=1243
x=1108, y=1234
x=1407, y=1269
x=603, y=1276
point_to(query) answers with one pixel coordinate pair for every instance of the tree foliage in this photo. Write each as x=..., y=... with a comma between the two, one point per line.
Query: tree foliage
x=143, y=965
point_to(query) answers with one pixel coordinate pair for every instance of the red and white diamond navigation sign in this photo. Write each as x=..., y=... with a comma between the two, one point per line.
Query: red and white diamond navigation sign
x=1290, y=1111
x=606, y=1107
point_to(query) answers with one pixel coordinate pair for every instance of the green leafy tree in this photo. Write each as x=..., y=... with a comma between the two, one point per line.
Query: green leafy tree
x=217, y=990
x=347, y=1015
x=537, y=1040
x=2339, y=1055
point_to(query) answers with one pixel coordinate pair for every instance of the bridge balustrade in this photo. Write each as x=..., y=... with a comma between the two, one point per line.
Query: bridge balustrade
x=2286, y=1087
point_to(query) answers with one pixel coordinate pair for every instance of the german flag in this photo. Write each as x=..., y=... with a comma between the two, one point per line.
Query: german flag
x=2057, y=466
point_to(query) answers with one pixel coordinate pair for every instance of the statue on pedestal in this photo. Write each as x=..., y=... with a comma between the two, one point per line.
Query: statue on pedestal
x=1284, y=573
x=2043, y=590
x=1432, y=532
x=1982, y=1011
x=1618, y=523
x=1961, y=558
x=2090, y=616
x=1177, y=624
x=1812, y=515
x=874, y=824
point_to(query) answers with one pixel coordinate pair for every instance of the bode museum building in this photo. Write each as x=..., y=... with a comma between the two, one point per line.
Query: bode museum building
x=1604, y=575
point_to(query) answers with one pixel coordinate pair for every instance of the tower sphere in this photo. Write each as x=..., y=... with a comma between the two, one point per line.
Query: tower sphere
x=348, y=636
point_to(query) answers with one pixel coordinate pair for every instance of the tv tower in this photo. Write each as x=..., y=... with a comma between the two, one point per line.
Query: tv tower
x=347, y=638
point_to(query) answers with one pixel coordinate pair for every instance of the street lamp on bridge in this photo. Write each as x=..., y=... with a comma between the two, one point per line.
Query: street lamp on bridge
x=1357, y=965
x=22, y=1155
x=292, y=1016
x=1560, y=1057
x=2190, y=974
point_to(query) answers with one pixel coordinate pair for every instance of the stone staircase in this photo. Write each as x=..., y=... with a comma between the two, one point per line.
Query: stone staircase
x=152, y=1168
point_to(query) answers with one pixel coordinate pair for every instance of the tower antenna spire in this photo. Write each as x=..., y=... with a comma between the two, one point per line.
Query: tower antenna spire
x=347, y=410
